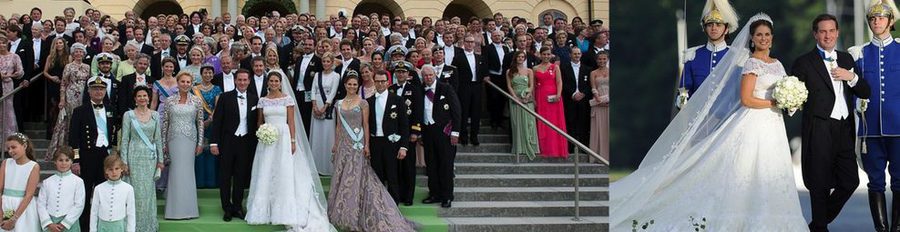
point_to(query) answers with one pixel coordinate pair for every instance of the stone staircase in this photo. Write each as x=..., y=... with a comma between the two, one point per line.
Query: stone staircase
x=38, y=134
x=494, y=193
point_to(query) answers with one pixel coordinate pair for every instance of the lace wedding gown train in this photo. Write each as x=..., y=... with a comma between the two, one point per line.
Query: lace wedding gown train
x=739, y=177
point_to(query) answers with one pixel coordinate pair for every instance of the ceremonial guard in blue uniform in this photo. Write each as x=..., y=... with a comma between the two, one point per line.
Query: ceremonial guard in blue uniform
x=878, y=62
x=719, y=19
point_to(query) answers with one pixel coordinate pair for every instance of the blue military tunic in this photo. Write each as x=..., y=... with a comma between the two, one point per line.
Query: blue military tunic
x=879, y=64
x=699, y=62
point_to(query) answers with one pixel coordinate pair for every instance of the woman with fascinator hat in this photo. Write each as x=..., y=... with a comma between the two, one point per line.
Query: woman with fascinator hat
x=724, y=161
x=879, y=127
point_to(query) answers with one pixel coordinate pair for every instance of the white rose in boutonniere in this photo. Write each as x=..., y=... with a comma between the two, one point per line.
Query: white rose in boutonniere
x=394, y=138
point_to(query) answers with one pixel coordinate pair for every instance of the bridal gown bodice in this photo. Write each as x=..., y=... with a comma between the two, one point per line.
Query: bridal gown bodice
x=739, y=177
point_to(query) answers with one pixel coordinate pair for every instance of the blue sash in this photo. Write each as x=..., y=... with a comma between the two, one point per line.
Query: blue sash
x=136, y=126
x=161, y=89
x=356, y=137
x=101, y=124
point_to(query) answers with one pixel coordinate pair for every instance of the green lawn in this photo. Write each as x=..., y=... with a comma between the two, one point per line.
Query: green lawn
x=616, y=174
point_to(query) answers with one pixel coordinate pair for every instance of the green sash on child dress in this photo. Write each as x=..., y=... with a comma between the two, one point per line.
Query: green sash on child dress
x=111, y=226
x=76, y=227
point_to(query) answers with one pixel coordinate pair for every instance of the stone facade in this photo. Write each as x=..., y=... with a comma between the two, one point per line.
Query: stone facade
x=406, y=8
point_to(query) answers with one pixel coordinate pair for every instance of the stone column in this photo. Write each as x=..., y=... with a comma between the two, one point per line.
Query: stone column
x=216, y=9
x=304, y=6
x=320, y=10
x=232, y=9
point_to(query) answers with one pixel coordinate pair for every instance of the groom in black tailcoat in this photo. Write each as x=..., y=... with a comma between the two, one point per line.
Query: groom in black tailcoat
x=91, y=134
x=829, y=163
x=233, y=139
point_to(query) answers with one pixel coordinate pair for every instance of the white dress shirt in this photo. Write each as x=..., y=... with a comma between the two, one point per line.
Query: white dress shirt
x=102, y=141
x=36, y=45
x=196, y=28
x=304, y=64
x=440, y=40
x=227, y=80
x=385, y=31
x=14, y=45
x=62, y=194
x=259, y=84
x=500, y=56
x=576, y=68
x=428, y=115
x=182, y=61
x=380, y=100
x=840, y=110
x=113, y=201
x=346, y=64
x=242, y=112
x=140, y=79
x=449, y=53
x=470, y=56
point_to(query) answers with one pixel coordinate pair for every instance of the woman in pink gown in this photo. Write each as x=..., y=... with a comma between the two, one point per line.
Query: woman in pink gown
x=547, y=90
x=10, y=68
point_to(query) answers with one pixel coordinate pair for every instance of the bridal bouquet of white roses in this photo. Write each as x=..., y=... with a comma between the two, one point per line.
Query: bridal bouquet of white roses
x=267, y=134
x=790, y=94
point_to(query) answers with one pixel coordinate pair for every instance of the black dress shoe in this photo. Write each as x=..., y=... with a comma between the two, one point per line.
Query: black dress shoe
x=430, y=200
x=446, y=204
x=475, y=142
x=239, y=214
x=407, y=203
x=463, y=141
x=227, y=216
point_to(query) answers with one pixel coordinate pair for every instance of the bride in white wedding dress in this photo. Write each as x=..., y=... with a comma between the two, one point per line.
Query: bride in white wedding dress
x=284, y=185
x=724, y=158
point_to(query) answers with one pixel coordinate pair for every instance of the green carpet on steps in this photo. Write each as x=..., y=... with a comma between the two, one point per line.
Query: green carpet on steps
x=211, y=215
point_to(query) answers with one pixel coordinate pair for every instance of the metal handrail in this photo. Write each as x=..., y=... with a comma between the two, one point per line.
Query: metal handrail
x=579, y=145
x=545, y=121
x=16, y=90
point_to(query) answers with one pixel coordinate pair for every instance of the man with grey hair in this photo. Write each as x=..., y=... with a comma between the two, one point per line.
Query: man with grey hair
x=138, y=78
x=494, y=54
x=164, y=51
x=441, y=120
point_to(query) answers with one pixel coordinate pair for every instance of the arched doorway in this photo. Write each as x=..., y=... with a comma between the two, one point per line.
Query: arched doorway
x=148, y=8
x=367, y=7
x=465, y=9
x=262, y=7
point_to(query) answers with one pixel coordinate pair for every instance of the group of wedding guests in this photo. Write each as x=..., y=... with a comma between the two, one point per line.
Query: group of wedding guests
x=173, y=103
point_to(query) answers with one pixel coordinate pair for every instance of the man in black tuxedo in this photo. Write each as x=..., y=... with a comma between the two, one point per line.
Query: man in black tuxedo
x=494, y=54
x=225, y=80
x=140, y=39
x=471, y=90
x=139, y=77
x=258, y=78
x=441, y=115
x=829, y=163
x=92, y=136
x=165, y=51
x=22, y=47
x=302, y=81
x=576, y=93
x=59, y=31
x=521, y=45
x=347, y=63
x=389, y=140
x=598, y=44
x=233, y=139
x=446, y=73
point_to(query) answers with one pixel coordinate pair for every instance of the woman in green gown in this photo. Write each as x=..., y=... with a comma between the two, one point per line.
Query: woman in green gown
x=520, y=82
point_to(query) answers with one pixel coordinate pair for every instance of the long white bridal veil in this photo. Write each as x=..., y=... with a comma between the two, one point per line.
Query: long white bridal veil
x=305, y=154
x=695, y=128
